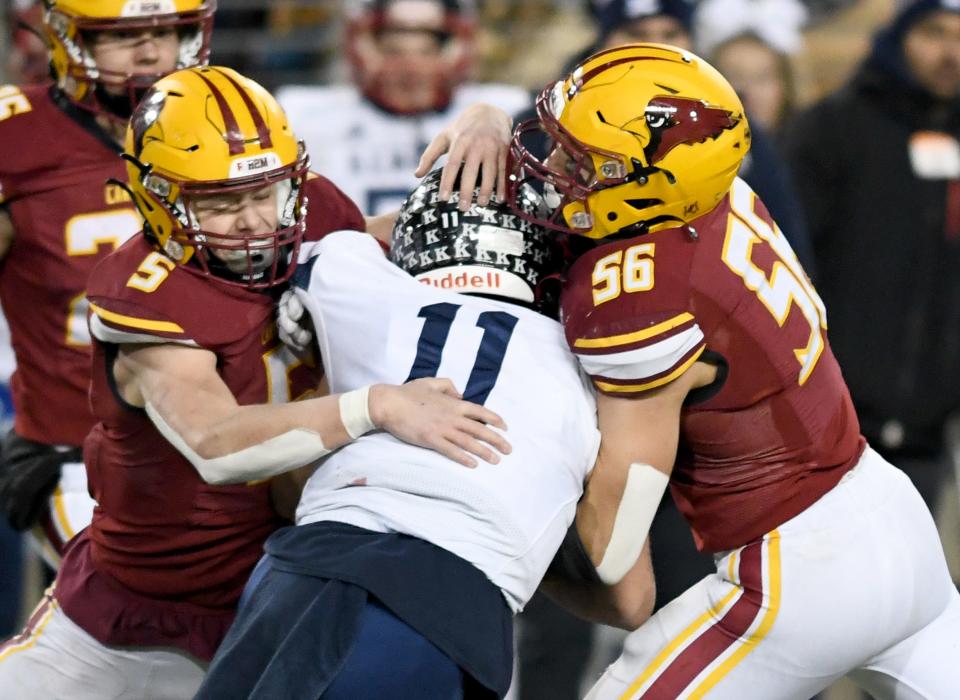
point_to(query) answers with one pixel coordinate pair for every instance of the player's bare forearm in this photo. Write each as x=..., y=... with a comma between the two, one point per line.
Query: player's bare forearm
x=182, y=386
x=194, y=409
x=626, y=605
x=640, y=435
x=381, y=226
x=636, y=431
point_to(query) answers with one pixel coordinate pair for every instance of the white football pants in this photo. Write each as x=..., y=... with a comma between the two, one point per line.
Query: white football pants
x=856, y=585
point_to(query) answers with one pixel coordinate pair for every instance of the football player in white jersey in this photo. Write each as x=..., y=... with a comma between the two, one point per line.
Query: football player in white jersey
x=403, y=571
x=409, y=60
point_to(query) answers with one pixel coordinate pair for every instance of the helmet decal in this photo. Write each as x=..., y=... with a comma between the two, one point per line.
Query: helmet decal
x=677, y=120
x=147, y=116
x=233, y=130
x=233, y=136
x=488, y=250
x=146, y=8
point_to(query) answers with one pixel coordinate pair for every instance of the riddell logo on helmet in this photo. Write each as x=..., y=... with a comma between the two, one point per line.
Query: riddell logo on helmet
x=462, y=281
x=465, y=279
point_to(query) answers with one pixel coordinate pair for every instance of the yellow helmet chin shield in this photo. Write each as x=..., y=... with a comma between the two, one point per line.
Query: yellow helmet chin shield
x=209, y=132
x=69, y=25
x=644, y=137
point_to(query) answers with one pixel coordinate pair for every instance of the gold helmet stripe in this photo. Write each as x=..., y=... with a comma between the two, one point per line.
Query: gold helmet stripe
x=234, y=136
x=263, y=131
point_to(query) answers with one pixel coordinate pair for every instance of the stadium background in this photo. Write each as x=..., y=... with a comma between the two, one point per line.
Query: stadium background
x=522, y=42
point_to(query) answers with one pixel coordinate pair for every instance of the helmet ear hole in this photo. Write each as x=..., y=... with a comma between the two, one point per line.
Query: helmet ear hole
x=641, y=204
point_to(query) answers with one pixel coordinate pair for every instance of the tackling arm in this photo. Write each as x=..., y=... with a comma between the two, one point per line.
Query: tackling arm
x=228, y=443
x=638, y=448
x=381, y=227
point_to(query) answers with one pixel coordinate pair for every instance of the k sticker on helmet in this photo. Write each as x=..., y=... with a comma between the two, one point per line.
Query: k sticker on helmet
x=487, y=250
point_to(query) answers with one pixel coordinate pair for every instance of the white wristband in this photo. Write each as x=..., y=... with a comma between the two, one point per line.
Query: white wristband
x=355, y=412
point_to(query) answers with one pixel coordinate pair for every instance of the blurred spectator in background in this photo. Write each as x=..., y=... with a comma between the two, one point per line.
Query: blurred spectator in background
x=622, y=22
x=878, y=168
x=410, y=61
x=751, y=42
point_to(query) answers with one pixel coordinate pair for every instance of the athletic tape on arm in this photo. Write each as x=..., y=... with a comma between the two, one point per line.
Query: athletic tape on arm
x=281, y=453
x=638, y=504
x=355, y=412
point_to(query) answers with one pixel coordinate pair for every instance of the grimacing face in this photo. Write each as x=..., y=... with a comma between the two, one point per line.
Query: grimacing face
x=234, y=215
x=139, y=52
x=931, y=49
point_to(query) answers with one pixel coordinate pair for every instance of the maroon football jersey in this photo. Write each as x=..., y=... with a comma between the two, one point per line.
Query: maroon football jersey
x=781, y=430
x=66, y=218
x=180, y=549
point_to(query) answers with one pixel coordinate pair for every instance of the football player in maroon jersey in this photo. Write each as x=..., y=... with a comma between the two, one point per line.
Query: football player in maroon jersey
x=58, y=218
x=707, y=345
x=186, y=365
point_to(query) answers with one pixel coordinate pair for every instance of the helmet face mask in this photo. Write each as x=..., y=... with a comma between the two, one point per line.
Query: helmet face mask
x=487, y=251
x=408, y=56
x=254, y=255
x=644, y=137
x=221, y=196
x=73, y=27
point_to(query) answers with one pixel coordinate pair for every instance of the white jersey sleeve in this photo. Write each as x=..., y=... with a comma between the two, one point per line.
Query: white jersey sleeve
x=375, y=323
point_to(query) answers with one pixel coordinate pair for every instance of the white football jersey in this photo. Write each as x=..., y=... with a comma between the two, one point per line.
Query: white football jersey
x=371, y=154
x=376, y=324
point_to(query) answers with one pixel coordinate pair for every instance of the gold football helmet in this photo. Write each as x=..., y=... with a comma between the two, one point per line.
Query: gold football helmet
x=644, y=137
x=69, y=24
x=205, y=132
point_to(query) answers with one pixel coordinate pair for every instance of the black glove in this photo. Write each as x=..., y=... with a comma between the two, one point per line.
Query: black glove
x=29, y=472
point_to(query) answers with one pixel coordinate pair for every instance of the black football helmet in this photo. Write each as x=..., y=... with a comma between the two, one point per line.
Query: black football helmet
x=489, y=250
